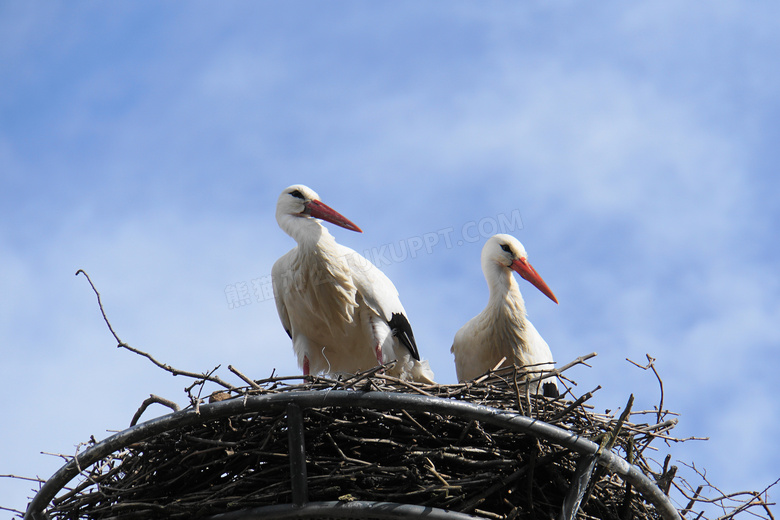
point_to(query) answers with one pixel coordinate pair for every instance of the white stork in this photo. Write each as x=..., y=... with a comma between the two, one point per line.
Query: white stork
x=341, y=312
x=502, y=329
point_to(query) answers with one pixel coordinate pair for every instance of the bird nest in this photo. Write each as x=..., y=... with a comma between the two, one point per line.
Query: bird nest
x=373, y=446
x=371, y=439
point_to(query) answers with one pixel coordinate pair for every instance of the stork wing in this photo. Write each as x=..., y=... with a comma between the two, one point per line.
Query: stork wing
x=538, y=351
x=381, y=297
x=280, y=267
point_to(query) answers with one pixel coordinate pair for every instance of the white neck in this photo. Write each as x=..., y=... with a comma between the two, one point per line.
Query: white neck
x=503, y=288
x=308, y=232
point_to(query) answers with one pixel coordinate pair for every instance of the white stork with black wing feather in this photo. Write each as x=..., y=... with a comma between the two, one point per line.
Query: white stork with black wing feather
x=341, y=312
x=502, y=330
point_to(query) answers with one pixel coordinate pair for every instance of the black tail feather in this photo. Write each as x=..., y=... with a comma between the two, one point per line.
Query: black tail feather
x=403, y=331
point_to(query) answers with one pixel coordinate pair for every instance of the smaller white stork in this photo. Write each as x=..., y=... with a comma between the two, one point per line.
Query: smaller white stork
x=341, y=312
x=502, y=330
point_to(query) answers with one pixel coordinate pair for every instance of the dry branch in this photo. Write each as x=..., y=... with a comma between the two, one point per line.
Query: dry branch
x=151, y=400
x=166, y=367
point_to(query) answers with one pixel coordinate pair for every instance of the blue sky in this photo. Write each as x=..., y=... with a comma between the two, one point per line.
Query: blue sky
x=631, y=148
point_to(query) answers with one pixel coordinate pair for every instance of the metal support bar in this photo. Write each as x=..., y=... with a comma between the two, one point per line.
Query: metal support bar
x=300, y=489
x=356, y=510
x=579, y=484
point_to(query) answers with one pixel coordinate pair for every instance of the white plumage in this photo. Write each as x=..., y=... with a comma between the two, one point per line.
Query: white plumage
x=502, y=330
x=341, y=312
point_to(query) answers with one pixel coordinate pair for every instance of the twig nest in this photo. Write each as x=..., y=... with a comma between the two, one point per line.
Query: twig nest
x=363, y=454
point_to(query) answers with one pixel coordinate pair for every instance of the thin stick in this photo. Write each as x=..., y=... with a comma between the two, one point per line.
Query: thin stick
x=669, y=423
x=244, y=378
x=651, y=365
x=39, y=480
x=151, y=400
x=167, y=368
x=575, y=404
x=406, y=384
x=491, y=371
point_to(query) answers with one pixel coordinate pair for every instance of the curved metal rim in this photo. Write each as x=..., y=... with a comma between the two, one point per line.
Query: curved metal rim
x=356, y=509
x=349, y=398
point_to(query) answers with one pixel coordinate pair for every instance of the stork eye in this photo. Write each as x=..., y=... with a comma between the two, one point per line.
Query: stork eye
x=297, y=194
x=506, y=248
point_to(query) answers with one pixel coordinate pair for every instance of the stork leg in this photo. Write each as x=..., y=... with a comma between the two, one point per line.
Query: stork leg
x=383, y=340
x=305, y=365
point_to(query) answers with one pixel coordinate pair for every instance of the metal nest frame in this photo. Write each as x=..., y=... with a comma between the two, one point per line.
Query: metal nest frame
x=294, y=402
x=343, y=510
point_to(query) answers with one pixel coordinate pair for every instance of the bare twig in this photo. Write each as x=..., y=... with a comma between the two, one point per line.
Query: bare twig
x=543, y=374
x=651, y=365
x=517, y=395
x=31, y=479
x=411, y=386
x=151, y=400
x=432, y=468
x=491, y=371
x=664, y=479
x=366, y=374
x=688, y=508
x=725, y=500
x=667, y=424
x=122, y=344
x=244, y=378
x=575, y=404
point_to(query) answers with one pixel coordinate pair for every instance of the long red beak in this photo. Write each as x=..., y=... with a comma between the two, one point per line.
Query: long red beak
x=524, y=269
x=322, y=211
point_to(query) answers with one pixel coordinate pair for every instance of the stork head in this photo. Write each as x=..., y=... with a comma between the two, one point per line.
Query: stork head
x=300, y=201
x=507, y=252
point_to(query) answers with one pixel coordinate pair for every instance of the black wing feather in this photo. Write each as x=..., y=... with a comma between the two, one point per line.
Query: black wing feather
x=403, y=331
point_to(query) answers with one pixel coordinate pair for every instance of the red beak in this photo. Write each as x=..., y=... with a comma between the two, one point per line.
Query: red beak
x=324, y=212
x=524, y=269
